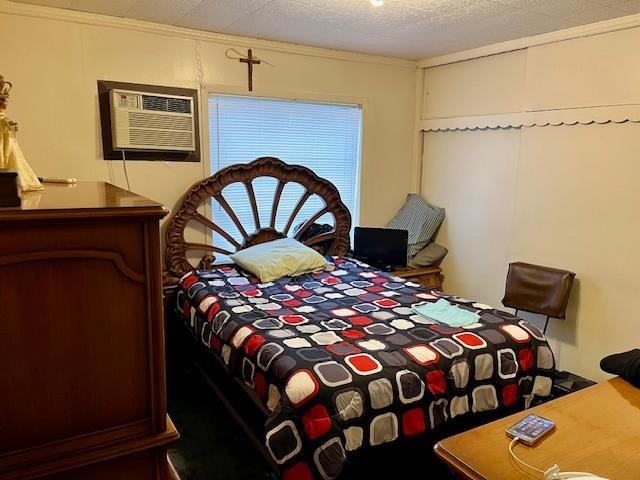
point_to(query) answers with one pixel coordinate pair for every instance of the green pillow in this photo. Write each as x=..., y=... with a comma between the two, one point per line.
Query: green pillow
x=285, y=257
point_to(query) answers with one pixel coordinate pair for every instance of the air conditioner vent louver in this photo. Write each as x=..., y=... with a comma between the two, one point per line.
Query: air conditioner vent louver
x=166, y=104
x=139, y=136
x=152, y=122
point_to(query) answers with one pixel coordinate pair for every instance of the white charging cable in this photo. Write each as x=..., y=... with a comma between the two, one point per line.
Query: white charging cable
x=515, y=457
x=554, y=472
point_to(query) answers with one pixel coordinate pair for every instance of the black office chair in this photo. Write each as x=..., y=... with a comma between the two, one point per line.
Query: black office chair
x=537, y=289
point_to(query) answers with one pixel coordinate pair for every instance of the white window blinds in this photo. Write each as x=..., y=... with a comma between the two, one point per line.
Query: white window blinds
x=323, y=137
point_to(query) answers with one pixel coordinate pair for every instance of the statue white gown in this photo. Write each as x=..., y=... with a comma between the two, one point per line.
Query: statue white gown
x=11, y=156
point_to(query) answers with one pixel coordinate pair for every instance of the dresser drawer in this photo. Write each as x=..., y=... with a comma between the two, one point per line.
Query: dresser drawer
x=74, y=351
x=81, y=336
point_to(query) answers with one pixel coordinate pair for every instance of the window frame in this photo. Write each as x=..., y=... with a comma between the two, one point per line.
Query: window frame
x=209, y=90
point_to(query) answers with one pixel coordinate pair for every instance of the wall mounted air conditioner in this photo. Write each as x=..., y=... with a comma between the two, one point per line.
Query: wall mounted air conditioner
x=150, y=121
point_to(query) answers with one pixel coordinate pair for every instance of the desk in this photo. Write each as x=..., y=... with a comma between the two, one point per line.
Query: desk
x=597, y=431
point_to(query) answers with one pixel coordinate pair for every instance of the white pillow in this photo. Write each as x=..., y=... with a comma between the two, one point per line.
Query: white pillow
x=285, y=257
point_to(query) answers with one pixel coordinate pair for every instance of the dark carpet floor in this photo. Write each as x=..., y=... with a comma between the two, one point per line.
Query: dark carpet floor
x=211, y=445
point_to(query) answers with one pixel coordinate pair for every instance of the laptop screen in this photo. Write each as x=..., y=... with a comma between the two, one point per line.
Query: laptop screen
x=381, y=246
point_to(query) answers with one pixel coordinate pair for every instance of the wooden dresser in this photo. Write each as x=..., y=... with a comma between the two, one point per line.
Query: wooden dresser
x=82, y=373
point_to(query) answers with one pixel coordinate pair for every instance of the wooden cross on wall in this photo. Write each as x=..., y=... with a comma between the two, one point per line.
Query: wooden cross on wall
x=250, y=61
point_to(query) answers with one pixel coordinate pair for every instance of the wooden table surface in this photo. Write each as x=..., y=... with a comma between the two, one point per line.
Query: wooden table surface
x=597, y=431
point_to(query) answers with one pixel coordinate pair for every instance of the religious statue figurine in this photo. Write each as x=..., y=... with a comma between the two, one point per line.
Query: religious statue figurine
x=11, y=155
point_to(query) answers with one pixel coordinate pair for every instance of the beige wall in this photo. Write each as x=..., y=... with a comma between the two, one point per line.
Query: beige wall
x=564, y=196
x=54, y=64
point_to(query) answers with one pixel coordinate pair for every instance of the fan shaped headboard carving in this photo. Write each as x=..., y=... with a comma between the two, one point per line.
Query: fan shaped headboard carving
x=177, y=247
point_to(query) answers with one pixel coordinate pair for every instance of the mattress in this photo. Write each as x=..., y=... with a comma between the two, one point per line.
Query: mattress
x=343, y=365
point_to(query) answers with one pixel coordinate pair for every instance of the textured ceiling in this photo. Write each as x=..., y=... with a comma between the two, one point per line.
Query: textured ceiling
x=413, y=29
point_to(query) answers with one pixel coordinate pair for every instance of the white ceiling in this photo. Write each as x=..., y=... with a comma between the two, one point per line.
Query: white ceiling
x=413, y=29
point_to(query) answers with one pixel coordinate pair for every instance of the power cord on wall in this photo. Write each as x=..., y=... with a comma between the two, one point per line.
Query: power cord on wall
x=553, y=473
x=124, y=166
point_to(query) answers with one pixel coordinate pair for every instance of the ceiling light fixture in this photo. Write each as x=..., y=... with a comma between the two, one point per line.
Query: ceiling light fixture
x=377, y=3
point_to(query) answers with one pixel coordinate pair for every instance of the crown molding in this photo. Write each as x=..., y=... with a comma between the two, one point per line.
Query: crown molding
x=543, y=118
x=621, y=23
x=73, y=16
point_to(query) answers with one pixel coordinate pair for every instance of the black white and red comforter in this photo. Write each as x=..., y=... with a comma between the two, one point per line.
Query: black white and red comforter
x=343, y=364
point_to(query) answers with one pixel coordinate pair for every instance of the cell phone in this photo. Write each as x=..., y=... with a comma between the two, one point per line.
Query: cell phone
x=531, y=429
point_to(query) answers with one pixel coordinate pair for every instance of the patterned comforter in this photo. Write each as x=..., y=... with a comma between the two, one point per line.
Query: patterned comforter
x=343, y=364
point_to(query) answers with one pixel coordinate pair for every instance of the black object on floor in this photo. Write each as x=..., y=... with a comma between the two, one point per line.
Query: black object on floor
x=564, y=383
x=567, y=382
x=211, y=446
x=626, y=364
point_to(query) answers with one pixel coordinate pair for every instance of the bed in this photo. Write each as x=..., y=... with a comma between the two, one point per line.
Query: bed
x=336, y=360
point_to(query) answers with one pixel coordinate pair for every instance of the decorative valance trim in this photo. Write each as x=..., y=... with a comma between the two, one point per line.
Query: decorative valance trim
x=574, y=116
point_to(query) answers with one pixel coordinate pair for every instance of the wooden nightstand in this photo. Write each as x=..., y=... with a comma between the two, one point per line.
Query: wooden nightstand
x=430, y=277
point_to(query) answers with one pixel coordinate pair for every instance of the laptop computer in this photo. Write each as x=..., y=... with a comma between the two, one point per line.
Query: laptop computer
x=383, y=248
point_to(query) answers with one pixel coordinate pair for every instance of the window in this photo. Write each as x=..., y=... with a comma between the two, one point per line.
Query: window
x=323, y=137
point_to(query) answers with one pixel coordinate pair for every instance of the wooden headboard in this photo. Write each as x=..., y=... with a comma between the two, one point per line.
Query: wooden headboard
x=212, y=187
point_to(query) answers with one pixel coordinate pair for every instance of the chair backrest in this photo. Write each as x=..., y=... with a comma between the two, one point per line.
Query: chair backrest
x=538, y=289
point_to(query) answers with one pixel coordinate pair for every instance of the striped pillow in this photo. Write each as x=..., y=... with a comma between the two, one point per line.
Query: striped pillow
x=420, y=219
